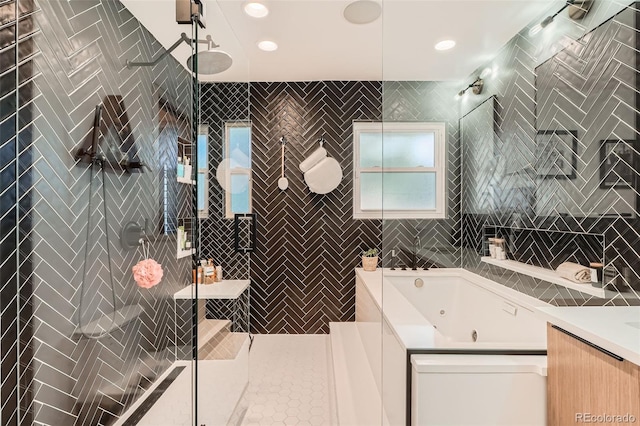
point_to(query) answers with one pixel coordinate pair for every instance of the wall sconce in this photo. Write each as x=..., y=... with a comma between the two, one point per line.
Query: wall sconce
x=578, y=9
x=476, y=87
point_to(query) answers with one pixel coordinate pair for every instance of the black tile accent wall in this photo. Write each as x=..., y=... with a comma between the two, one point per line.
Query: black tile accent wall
x=581, y=78
x=16, y=93
x=308, y=245
x=71, y=56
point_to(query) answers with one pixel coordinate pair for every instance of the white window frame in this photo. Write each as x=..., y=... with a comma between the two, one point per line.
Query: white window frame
x=439, y=168
x=228, y=125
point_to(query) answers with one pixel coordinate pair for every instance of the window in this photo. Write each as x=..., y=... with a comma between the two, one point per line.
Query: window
x=237, y=149
x=202, y=170
x=399, y=170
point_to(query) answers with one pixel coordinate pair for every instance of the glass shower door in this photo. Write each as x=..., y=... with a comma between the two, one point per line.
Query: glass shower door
x=225, y=225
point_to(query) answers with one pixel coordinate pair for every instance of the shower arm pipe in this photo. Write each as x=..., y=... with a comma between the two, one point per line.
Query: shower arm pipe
x=183, y=38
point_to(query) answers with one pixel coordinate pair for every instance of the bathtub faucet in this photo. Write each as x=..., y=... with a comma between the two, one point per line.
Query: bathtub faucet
x=414, y=258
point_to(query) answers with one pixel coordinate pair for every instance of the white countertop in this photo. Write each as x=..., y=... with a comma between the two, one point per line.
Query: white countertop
x=225, y=289
x=614, y=328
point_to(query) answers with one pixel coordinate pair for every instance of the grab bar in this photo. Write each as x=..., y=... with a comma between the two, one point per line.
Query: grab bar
x=252, y=232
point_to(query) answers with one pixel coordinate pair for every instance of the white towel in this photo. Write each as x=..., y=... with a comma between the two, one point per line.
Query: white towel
x=324, y=177
x=574, y=272
x=313, y=159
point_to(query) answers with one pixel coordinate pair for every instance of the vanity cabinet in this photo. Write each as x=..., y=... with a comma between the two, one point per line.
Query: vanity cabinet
x=585, y=380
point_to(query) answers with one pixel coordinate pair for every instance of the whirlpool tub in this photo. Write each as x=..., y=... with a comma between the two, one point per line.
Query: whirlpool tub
x=449, y=347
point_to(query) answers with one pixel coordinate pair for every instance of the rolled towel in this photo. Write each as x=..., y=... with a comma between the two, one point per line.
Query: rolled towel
x=574, y=272
x=316, y=156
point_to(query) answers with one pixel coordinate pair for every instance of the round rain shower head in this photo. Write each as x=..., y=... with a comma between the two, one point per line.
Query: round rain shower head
x=211, y=62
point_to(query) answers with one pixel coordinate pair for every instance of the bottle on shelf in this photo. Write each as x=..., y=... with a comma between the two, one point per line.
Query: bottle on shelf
x=180, y=237
x=187, y=168
x=209, y=271
x=200, y=275
x=180, y=168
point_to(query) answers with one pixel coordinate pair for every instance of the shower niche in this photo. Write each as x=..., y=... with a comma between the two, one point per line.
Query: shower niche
x=173, y=143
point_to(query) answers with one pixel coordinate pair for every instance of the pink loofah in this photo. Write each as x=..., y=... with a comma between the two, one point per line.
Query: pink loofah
x=147, y=273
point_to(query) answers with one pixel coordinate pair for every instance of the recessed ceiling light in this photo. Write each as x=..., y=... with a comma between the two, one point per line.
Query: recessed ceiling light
x=445, y=45
x=267, y=45
x=362, y=11
x=256, y=10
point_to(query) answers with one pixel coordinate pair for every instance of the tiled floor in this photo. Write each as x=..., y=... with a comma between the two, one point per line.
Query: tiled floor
x=289, y=385
x=289, y=381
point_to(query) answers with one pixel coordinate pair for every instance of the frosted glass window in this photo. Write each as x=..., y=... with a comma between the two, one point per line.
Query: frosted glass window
x=397, y=149
x=399, y=170
x=203, y=151
x=239, y=193
x=202, y=177
x=240, y=147
x=398, y=191
x=202, y=184
x=237, y=148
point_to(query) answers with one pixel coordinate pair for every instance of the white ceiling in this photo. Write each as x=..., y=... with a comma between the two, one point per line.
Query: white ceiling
x=317, y=43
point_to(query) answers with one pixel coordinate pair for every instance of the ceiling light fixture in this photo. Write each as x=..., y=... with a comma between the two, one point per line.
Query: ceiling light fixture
x=476, y=87
x=445, y=45
x=256, y=10
x=362, y=11
x=267, y=45
x=578, y=9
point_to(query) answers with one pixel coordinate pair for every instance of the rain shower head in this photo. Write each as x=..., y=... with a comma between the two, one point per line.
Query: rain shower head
x=210, y=62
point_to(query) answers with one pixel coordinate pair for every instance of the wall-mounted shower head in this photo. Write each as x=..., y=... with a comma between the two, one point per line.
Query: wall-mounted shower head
x=210, y=61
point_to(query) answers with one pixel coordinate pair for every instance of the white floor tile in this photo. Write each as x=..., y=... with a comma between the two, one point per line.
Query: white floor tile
x=288, y=385
x=289, y=381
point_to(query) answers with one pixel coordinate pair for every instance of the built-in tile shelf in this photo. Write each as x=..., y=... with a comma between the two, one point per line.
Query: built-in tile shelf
x=185, y=253
x=186, y=180
x=544, y=274
x=225, y=289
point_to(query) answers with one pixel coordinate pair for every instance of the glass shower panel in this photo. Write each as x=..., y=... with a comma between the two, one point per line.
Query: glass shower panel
x=413, y=244
x=224, y=182
x=101, y=205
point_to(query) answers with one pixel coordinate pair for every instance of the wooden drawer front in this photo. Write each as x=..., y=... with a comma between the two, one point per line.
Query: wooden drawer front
x=585, y=380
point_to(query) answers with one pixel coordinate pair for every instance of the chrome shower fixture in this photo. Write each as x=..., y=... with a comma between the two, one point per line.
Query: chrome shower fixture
x=476, y=87
x=211, y=61
x=578, y=9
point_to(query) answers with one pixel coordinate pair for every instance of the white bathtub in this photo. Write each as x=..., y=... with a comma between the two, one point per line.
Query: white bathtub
x=454, y=311
x=462, y=309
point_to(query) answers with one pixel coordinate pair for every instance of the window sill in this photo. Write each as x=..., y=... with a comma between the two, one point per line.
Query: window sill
x=398, y=215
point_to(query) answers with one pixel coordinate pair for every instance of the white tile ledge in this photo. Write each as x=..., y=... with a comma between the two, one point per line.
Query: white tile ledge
x=225, y=289
x=545, y=274
x=108, y=323
x=186, y=180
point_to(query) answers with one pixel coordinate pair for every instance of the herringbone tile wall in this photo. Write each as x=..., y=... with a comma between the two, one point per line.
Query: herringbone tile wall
x=72, y=55
x=16, y=91
x=580, y=77
x=308, y=245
